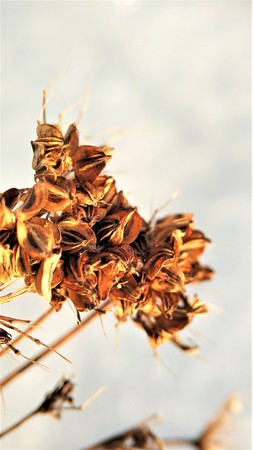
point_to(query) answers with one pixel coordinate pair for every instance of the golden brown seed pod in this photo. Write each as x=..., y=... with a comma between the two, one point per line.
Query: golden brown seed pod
x=44, y=276
x=5, y=263
x=174, y=222
x=36, y=238
x=7, y=217
x=76, y=235
x=106, y=278
x=194, y=245
x=130, y=224
x=20, y=262
x=11, y=197
x=71, y=139
x=88, y=162
x=34, y=201
x=49, y=133
x=163, y=327
x=162, y=257
x=85, y=302
x=38, y=161
x=58, y=274
x=88, y=194
x=109, y=187
x=59, y=194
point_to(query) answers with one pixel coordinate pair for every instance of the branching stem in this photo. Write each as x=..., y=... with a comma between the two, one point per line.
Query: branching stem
x=33, y=325
x=64, y=338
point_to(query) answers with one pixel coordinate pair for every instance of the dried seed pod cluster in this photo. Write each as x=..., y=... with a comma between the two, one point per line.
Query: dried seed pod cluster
x=73, y=235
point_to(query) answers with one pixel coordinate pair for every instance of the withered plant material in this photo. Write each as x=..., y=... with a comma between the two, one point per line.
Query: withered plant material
x=58, y=400
x=31, y=326
x=58, y=342
x=142, y=437
x=6, y=338
x=74, y=236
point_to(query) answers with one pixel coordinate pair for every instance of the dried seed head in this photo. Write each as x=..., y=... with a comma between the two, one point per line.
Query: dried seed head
x=5, y=337
x=56, y=400
x=73, y=235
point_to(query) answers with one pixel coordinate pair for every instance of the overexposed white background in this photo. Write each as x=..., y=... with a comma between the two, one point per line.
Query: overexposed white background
x=174, y=78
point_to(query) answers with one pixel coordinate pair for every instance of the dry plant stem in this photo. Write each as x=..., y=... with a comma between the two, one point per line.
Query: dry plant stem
x=19, y=423
x=70, y=334
x=34, y=324
x=181, y=443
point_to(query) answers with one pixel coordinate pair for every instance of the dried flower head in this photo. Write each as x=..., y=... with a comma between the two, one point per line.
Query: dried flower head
x=74, y=236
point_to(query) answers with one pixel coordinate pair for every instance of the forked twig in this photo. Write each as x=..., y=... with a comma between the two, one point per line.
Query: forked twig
x=54, y=404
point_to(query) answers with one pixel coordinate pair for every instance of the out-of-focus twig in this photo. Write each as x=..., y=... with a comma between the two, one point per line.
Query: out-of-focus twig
x=54, y=404
x=142, y=437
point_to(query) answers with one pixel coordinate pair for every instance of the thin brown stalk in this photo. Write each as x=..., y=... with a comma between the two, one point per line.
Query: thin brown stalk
x=167, y=443
x=62, y=340
x=180, y=442
x=33, y=325
x=18, y=423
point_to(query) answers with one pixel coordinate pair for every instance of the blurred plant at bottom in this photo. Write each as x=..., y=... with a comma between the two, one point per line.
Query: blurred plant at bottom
x=213, y=437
